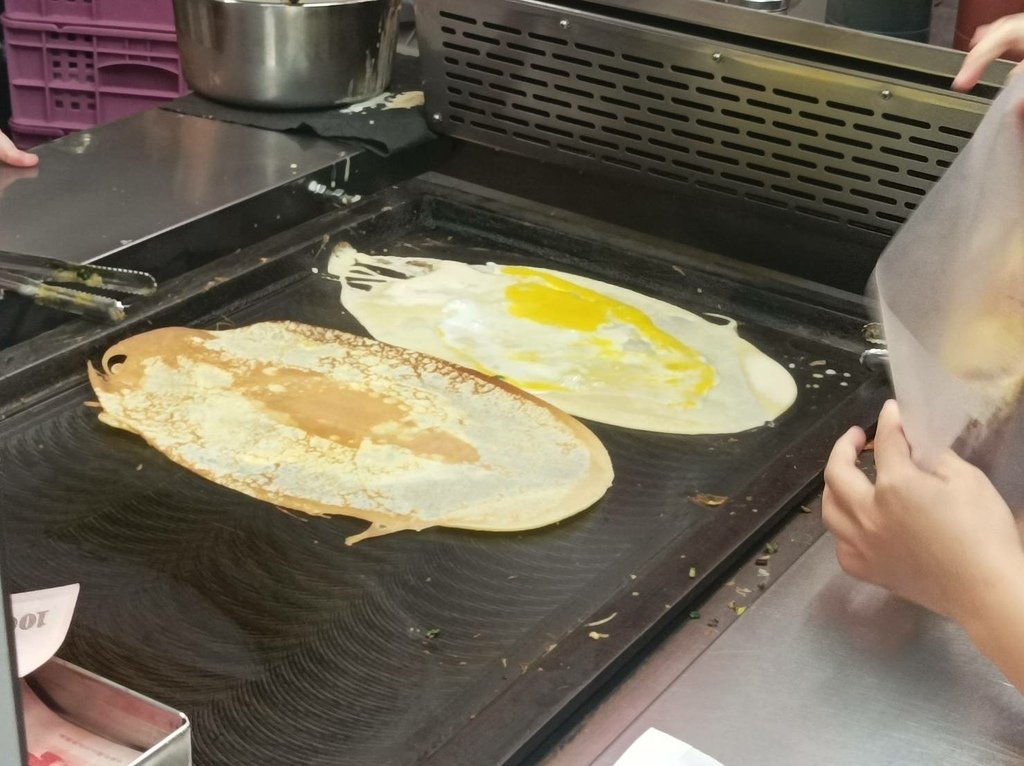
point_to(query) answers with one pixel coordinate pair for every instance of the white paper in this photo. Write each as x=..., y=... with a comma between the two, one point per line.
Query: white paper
x=53, y=741
x=41, y=621
x=656, y=748
x=950, y=287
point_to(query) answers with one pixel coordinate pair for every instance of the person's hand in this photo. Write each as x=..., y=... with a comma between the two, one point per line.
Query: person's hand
x=12, y=155
x=1003, y=38
x=945, y=540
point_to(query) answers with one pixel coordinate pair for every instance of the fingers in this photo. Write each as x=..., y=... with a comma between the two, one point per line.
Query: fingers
x=852, y=561
x=892, y=452
x=968, y=76
x=845, y=483
x=1000, y=38
x=855, y=438
x=979, y=33
x=838, y=519
x=12, y=155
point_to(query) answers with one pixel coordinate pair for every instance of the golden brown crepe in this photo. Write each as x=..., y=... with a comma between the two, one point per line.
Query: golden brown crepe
x=325, y=422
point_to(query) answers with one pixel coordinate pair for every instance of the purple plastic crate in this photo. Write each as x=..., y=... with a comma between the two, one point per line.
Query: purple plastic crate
x=133, y=14
x=27, y=136
x=76, y=77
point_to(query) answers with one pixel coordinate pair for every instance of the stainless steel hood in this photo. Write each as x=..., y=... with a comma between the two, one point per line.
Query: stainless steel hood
x=802, y=26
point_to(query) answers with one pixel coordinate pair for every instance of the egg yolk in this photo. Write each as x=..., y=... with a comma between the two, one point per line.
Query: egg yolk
x=556, y=302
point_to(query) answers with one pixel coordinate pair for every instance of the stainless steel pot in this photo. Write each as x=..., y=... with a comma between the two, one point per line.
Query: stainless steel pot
x=276, y=54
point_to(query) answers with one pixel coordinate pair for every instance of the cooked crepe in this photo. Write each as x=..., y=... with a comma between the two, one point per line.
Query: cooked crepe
x=595, y=350
x=328, y=423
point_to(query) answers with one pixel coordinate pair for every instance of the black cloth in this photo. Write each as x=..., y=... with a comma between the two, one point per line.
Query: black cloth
x=382, y=131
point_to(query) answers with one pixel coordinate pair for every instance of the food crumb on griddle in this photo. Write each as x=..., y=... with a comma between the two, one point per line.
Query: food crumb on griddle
x=737, y=608
x=711, y=501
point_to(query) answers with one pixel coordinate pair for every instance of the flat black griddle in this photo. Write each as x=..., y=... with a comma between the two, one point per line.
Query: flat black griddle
x=283, y=645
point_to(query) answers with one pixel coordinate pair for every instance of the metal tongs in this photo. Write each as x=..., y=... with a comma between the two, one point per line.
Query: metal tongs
x=40, y=280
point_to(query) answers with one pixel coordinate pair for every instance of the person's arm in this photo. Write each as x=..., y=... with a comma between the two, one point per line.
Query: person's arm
x=1003, y=38
x=996, y=626
x=945, y=540
x=12, y=155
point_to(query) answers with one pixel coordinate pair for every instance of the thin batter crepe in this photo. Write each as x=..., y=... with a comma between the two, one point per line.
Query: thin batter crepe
x=594, y=349
x=325, y=422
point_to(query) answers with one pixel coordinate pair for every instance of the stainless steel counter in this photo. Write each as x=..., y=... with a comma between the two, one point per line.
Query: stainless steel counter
x=98, y=192
x=802, y=26
x=821, y=669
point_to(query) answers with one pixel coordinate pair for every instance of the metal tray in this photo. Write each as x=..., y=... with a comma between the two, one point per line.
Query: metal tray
x=283, y=645
x=118, y=713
